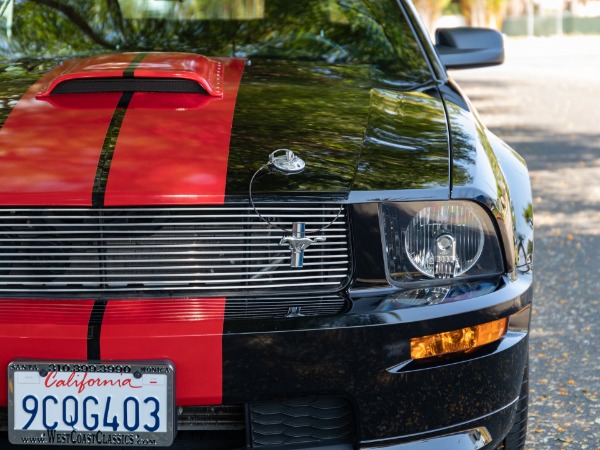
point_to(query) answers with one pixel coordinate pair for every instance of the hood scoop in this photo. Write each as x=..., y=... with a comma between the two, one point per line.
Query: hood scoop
x=138, y=72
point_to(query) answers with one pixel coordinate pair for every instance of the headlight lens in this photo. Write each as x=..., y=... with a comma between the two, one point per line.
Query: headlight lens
x=443, y=240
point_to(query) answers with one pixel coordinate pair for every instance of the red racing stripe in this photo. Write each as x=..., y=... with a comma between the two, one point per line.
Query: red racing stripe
x=42, y=329
x=50, y=151
x=188, y=332
x=173, y=149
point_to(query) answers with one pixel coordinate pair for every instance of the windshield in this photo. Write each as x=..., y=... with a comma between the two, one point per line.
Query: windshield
x=334, y=31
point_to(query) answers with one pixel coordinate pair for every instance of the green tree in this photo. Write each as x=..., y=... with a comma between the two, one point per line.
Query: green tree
x=431, y=10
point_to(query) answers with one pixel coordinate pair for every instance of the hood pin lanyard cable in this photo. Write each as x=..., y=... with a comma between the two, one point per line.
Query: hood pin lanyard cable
x=288, y=163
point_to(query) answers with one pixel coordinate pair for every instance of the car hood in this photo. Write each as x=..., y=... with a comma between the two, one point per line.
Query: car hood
x=355, y=130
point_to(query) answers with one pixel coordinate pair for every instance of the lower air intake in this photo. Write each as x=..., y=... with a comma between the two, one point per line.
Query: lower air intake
x=316, y=421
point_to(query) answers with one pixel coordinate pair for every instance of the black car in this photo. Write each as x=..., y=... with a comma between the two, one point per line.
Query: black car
x=256, y=224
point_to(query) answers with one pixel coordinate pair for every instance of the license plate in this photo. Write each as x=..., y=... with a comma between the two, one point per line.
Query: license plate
x=78, y=403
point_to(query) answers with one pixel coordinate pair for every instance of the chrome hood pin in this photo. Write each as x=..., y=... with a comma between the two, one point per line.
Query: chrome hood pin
x=287, y=162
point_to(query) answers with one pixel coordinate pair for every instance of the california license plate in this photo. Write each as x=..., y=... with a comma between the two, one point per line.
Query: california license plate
x=79, y=403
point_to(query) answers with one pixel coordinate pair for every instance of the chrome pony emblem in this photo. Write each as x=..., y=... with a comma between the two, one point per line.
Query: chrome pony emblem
x=298, y=242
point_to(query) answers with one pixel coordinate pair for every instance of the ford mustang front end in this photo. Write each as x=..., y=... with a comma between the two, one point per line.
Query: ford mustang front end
x=253, y=224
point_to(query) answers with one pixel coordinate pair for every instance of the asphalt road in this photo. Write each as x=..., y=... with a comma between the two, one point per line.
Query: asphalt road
x=545, y=102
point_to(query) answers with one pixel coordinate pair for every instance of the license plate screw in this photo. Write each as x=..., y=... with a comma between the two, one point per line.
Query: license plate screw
x=137, y=374
x=43, y=373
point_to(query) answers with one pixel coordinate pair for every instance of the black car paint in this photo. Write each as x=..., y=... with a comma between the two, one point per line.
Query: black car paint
x=354, y=132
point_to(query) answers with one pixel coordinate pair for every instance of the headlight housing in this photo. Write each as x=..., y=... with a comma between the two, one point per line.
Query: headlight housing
x=438, y=241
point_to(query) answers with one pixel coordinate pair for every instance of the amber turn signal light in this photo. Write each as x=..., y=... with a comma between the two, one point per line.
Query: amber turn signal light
x=461, y=340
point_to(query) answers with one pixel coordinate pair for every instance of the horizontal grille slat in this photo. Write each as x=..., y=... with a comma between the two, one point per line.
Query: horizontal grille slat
x=90, y=247
x=216, y=251
x=227, y=266
x=178, y=239
x=204, y=289
x=183, y=274
x=112, y=254
x=170, y=282
x=176, y=275
x=342, y=236
x=165, y=224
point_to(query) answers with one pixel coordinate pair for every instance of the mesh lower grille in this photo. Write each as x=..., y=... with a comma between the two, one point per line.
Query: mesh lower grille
x=211, y=418
x=317, y=420
x=208, y=251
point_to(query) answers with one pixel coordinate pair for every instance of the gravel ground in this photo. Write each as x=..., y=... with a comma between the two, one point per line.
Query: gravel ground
x=544, y=101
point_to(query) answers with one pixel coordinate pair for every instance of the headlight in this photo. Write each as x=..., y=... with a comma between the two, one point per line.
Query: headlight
x=438, y=240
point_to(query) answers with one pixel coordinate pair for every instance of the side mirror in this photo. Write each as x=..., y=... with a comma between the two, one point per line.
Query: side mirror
x=466, y=48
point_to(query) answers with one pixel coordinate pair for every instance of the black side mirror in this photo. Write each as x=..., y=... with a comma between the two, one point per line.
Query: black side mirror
x=465, y=47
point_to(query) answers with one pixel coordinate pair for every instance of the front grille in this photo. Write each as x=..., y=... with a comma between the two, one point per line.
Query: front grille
x=315, y=420
x=288, y=306
x=204, y=251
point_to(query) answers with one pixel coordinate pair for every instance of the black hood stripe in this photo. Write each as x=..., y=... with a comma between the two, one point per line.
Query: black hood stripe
x=94, y=328
x=130, y=71
x=112, y=134
x=108, y=150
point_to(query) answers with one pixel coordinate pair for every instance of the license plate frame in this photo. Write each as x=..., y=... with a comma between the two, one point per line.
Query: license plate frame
x=158, y=377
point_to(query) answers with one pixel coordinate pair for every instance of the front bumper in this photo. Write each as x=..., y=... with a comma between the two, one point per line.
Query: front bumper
x=361, y=356
x=366, y=358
